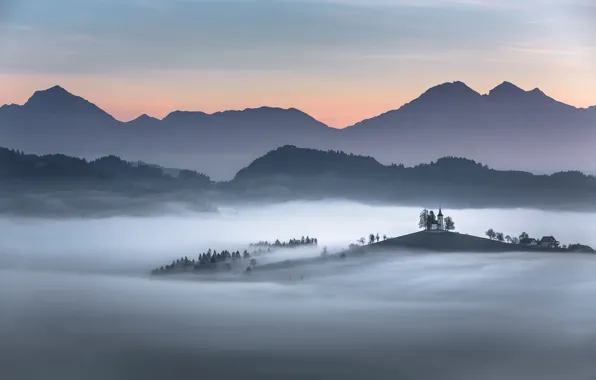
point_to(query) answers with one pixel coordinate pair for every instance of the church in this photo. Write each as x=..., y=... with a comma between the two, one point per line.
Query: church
x=435, y=223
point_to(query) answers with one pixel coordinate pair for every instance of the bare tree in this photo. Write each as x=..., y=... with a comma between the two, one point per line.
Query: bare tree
x=361, y=241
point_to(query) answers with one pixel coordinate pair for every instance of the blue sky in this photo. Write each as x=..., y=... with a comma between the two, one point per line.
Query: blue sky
x=340, y=60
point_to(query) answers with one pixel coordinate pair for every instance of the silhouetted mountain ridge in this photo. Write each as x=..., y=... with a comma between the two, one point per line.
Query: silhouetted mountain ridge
x=449, y=119
x=56, y=100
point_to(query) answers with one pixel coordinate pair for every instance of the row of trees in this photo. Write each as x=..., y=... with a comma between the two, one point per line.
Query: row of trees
x=500, y=236
x=291, y=243
x=372, y=239
x=205, y=260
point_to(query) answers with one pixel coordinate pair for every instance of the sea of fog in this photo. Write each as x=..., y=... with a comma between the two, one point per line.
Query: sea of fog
x=76, y=302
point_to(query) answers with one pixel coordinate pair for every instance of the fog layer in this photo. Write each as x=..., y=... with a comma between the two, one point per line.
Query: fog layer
x=407, y=316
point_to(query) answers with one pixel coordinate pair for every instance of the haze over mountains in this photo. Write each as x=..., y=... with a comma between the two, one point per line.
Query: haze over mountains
x=507, y=128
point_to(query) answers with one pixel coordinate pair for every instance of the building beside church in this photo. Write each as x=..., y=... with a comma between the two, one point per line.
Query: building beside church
x=549, y=242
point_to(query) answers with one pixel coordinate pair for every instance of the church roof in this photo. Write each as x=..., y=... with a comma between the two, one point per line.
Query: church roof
x=548, y=239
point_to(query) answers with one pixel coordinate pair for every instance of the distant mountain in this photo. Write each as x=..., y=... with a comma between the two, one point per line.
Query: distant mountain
x=145, y=120
x=508, y=128
x=458, y=182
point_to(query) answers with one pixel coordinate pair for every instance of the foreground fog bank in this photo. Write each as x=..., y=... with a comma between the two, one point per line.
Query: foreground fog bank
x=407, y=316
x=138, y=244
x=418, y=316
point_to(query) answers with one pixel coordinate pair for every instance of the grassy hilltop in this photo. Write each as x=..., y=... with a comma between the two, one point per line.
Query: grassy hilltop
x=450, y=242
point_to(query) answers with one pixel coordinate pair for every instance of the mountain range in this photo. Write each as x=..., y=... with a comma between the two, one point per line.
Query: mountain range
x=507, y=128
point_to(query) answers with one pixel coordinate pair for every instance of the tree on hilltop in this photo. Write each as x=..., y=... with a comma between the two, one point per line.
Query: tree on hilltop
x=449, y=224
x=423, y=219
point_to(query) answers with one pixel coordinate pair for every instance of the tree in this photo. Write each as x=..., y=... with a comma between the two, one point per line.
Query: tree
x=508, y=239
x=491, y=234
x=423, y=219
x=514, y=240
x=449, y=224
x=362, y=241
x=371, y=239
x=378, y=237
x=324, y=253
x=523, y=236
x=499, y=236
x=384, y=237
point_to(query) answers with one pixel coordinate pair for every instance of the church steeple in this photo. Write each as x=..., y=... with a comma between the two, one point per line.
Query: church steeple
x=440, y=221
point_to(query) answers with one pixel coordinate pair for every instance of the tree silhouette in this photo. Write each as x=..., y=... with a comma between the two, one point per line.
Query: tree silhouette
x=384, y=237
x=371, y=239
x=362, y=241
x=523, y=236
x=499, y=236
x=514, y=240
x=508, y=239
x=449, y=224
x=491, y=234
x=423, y=219
x=378, y=237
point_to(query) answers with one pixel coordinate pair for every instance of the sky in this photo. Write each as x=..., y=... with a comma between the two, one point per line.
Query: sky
x=339, y=60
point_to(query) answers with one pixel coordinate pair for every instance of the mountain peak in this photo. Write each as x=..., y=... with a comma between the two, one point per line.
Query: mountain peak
x=446, y=96
x=451, y=88
x=144, y=118
x=58, y=100
x=506, y=89
x=185, y=117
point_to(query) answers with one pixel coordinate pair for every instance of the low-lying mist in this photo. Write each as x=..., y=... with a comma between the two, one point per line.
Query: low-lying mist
x=408, y=315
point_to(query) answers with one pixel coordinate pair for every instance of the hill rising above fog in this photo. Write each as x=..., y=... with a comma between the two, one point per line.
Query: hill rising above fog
x=509, y=128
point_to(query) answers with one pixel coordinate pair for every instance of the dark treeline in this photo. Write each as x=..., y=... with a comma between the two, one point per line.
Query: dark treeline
x=16, y=164
x=459, y=182
x=303, y=241
x=208, y=260
x=291, y=173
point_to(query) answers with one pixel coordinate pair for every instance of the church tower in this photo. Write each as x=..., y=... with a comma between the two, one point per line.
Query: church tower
x=440, y=221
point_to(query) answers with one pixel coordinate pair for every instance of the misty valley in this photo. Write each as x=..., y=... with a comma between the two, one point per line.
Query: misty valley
x=78, y=294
